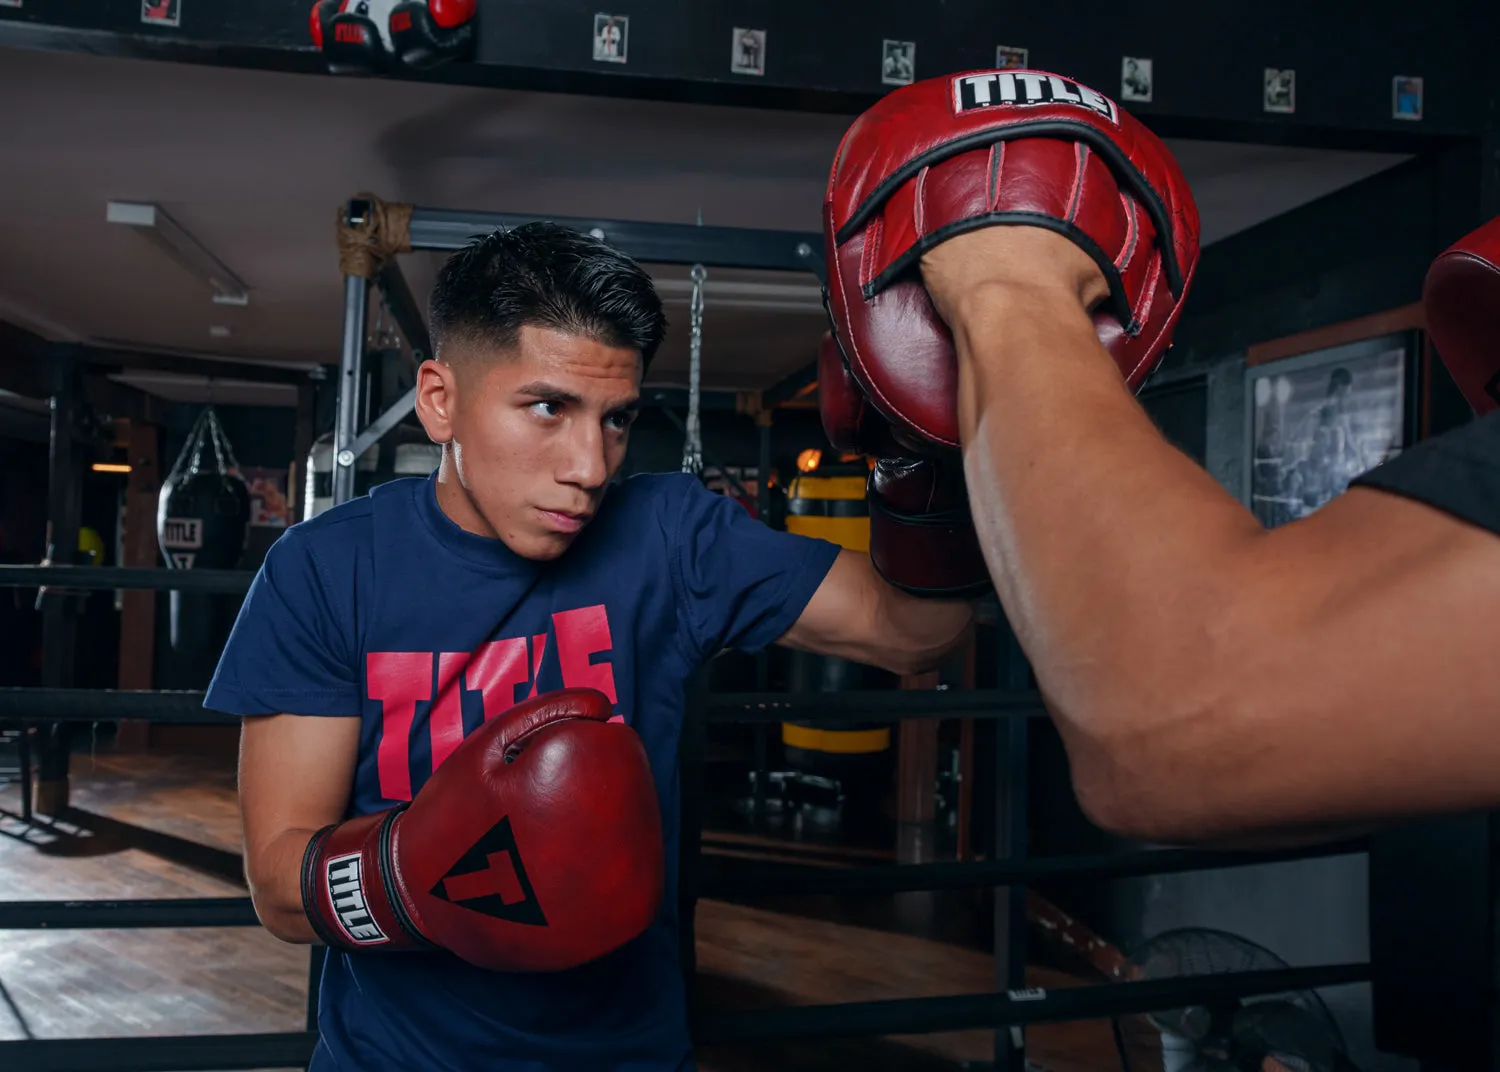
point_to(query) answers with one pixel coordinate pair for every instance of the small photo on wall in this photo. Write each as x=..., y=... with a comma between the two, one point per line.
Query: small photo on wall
x=1280, y=90
x=898, y=62
x=611, y=38
x=1406, y=97
x=747, y=53
x=162, y=12
x=1320, y=419
x=1136, y=79
x=1008, y=56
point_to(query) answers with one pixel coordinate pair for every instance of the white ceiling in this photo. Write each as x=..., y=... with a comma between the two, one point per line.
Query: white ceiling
x=256, y=164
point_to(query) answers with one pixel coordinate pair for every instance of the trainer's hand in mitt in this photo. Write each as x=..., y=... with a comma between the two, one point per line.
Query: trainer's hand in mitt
x=535, y=846
x=950, y=155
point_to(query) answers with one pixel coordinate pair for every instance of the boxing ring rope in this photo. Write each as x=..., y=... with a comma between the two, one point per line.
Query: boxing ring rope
x=371, y=234
x=717, y=877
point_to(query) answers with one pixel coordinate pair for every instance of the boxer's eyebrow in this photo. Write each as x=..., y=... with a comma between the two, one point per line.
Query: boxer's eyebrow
x=543, y=391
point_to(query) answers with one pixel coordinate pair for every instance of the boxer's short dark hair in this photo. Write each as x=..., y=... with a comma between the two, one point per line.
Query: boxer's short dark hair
x=550, y=276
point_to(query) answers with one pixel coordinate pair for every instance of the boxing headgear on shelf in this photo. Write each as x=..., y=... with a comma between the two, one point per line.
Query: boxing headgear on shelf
x=378, y=36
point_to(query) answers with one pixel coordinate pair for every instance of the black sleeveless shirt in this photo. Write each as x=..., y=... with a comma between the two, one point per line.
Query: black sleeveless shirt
x=1457, y=472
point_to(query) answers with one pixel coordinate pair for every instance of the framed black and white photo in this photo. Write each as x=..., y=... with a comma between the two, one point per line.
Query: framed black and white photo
x=747, y=51
x=1136, y=79
x=898, y=62
x=1318, y=420
x=1280, y=90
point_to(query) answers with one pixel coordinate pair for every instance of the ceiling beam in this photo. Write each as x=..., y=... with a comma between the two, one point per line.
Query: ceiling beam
x=792, y=388
x=110, y=359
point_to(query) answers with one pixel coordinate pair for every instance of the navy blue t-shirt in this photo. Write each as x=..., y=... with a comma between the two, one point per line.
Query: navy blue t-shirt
x=383, y=608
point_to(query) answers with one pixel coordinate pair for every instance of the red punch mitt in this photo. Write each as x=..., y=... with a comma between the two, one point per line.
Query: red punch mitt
x=1462, y=300
x=535, y=846
x=978, y=149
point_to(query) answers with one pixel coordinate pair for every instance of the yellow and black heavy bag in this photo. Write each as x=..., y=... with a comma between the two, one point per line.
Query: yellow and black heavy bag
x=828, y=502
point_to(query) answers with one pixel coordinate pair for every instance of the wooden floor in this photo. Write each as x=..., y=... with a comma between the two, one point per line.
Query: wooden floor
x=163, y=826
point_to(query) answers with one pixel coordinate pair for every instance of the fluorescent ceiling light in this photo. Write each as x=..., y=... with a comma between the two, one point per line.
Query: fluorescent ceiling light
x=153, y=223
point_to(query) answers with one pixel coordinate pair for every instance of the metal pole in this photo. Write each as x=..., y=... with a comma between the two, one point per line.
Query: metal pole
x=762, y=658
x=1011, y=791
x=59, y=621
x=346, y=428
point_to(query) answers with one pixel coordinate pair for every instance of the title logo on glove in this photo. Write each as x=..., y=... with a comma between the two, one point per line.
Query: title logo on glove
x=1012, y=89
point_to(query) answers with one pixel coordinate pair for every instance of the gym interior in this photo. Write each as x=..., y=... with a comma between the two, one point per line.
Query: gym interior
x=217, y=238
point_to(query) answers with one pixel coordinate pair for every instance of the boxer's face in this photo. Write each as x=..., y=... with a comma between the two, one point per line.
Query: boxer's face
x=533, y=436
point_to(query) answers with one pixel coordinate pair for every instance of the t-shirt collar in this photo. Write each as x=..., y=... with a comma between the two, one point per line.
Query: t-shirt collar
x=482, y=551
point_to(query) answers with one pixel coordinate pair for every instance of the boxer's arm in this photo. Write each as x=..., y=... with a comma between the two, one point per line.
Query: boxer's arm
x=1211, y=680
x=856, y=615
x=294, y=779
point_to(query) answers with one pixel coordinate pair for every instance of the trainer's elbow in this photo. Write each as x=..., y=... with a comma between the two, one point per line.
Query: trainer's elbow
x=1148, y=784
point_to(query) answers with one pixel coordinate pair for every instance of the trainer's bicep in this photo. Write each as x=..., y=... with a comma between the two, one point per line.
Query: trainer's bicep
x=1369, y=688
x=296, y=773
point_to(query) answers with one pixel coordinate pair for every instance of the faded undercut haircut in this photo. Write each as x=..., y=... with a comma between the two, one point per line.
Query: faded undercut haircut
x=549, y=276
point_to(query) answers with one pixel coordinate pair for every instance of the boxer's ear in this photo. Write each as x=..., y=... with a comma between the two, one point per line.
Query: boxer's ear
x=437, y=399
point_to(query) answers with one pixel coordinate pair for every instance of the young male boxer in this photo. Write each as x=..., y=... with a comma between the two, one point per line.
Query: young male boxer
x=380, y=635
x=1008, y=255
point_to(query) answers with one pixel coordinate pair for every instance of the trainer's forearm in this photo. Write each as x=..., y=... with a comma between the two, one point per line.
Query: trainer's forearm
x=1110, y=549
x=276, y=887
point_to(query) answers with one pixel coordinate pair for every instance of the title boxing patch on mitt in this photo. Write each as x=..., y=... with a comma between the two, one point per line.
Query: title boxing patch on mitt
x=1023, y=89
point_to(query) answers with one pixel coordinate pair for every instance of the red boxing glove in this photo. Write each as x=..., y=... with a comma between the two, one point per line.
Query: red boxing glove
x=535, y=846
x=849, y=421
x=1461, y=297
x=429, y=33
x=922, y=539
x=983, y=148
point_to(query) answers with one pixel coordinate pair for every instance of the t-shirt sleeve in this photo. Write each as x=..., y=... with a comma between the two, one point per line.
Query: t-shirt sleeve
x=291, y=650
x=740, y=583
x=1457, y=472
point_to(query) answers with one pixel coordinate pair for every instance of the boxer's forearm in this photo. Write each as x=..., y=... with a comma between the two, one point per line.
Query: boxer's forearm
x=1114, y=555
x=276, y=888
x=856, y=615
x=922, y=632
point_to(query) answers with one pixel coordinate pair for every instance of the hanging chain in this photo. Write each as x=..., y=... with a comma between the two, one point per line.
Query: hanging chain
x=188, y=456
x=692, y=447
x=222, y=447
x=208, y=431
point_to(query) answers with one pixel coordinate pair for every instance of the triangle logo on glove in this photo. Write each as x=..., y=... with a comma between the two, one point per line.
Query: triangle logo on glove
x=491, y=879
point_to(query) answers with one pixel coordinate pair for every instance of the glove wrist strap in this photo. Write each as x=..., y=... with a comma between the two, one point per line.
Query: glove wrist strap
x=348, y=887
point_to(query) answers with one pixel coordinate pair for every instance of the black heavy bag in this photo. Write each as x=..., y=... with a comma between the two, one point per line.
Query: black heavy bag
x=202, y=517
